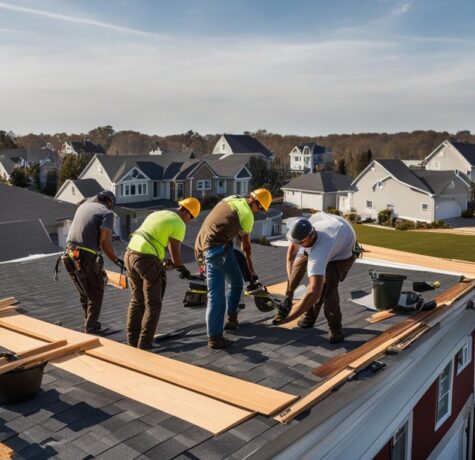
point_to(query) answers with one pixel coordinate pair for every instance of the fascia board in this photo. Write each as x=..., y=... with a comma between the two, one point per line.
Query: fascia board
x=344, y=431
x=435, y=151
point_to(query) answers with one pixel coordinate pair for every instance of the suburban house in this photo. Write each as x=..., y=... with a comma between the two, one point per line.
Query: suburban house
x=238, y=144
x=414, y=194
x=318, y=191
x=75, y=191
x=80, y=147
x=148, y=182
x=453, y=156
x=45, y=158
x=310, y=157
x=21, y=205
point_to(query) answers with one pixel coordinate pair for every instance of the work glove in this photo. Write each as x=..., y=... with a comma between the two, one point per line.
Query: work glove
x=184, y=272
x=120, y=263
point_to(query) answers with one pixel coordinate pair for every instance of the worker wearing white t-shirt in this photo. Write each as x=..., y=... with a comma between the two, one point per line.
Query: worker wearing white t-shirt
x=325, y=248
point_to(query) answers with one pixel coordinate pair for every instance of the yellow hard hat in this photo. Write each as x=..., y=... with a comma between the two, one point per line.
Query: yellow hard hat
x=192, y=205
x=263, y=196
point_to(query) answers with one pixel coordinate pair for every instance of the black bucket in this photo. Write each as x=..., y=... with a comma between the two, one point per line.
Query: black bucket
x=387, y=289
x=21, y=384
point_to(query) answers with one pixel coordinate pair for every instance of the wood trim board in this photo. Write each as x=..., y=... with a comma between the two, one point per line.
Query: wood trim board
x=7, y=301
x=36, y=350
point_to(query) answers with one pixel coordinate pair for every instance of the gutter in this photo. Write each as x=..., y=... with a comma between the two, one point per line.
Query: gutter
x=364, y=426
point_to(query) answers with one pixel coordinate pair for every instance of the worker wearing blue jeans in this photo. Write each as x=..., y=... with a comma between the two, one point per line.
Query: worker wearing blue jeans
x=220, y=268
x=231, y=217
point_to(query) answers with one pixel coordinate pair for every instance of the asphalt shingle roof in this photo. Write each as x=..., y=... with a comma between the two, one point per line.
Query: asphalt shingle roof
x=401, y=172
x=87, y=187
x=228, y=165
x=87, y=147
x=24, y=238
x=243, y=143
x=325, y=181
x=437, y=181
x=71, y=417
x=20, y=204
x=467, y=150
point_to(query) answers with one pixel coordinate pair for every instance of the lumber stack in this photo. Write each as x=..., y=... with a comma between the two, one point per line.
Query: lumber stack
x=211, y=400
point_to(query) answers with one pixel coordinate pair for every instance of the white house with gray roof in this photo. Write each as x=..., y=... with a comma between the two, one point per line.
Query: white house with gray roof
x=310, y=157
x=453, y=156
x=318, y=191
x=242, y=144
x=414, y=194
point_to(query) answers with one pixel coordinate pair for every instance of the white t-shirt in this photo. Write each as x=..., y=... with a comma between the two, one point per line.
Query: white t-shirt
x=335, y=241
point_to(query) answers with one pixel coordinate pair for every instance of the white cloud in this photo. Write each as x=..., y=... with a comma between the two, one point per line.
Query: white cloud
x=74, y=19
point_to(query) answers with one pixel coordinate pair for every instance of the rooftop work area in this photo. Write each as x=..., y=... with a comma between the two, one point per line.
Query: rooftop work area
x=73, y=418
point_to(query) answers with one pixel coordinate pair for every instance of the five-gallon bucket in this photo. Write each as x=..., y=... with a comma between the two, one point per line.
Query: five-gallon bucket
x=387, y=289
x=21, y=384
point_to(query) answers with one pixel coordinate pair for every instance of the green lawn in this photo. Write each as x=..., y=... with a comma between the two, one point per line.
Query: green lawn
x=431, y=244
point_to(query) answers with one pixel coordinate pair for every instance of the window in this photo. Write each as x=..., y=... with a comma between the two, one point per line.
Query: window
x=73, y=190
x=369, y=204
x=204, y=184
x=223, y=146
x=444, y=396
x=452, y=185
x=436, y=165
x=425, y=206
x=133, y=189
x=401, y=442
x=380, y=185
x=134, y=174
x=180, y=190
x=464, y=356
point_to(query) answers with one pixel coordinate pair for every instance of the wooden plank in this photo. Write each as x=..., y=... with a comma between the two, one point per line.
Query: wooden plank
x=381, y=316
x=6, y=452
x=117, y=280
x=8, y=309
x=7, y=301
x=248, y=395
x=49, y=355
x=315, y=396
x=37, y=350
x=251, y=396
x=391, y=255
x=22, y=330
x=323, y=390
x=333, y=365
x=209, y=414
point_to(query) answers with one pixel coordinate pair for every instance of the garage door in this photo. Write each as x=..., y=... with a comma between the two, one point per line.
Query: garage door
x=445, y=209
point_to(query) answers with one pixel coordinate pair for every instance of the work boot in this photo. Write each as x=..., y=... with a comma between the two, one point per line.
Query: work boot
x=335, y=335
x=231, y=323
x=308, y=319
x=217, y=342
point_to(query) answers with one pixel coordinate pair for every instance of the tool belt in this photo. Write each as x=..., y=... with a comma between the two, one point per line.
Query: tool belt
x=73, y=258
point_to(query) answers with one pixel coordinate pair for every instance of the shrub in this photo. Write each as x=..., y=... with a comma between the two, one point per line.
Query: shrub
x=385, y=217
x=467, y=213
x=333, y=211
x=369, y=220
x=404, y=224
x=438, y=224
x=353, y=217
x=422, y=225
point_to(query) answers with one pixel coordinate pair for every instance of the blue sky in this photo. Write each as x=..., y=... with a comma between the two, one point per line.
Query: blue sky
x=300, y=67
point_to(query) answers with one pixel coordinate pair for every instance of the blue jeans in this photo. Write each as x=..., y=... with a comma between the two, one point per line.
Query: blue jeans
x=220, y=268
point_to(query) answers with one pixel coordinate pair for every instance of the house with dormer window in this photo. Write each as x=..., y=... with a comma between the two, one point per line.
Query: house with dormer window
x=310, y=157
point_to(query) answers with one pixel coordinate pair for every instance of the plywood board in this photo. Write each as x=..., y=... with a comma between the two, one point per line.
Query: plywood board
x=214, y=416
x=381, y=316
x=6, y=452
x=391, y=255
x=35, y=350
x=244, y=394
x=251, y=396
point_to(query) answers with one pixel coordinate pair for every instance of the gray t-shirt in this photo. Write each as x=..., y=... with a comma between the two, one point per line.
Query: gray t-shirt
x=336, y=239
x=90, y=217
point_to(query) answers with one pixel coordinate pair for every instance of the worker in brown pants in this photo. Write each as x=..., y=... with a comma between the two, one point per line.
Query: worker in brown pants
x=146, y=267
x=326, y=250
x=335, y=273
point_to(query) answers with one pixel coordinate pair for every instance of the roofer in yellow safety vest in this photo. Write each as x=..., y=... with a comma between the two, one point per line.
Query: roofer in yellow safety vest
x=231, y=217
x=146, y=269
